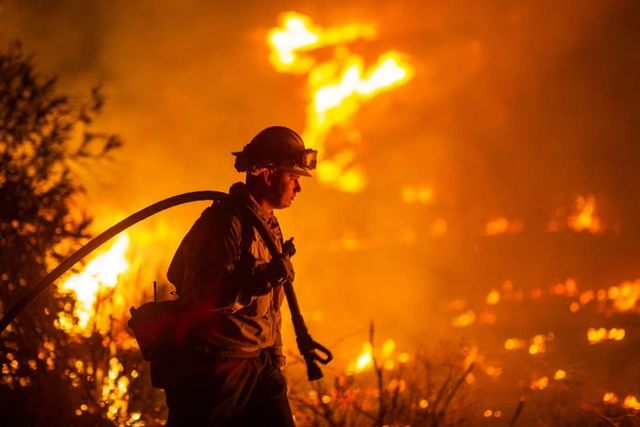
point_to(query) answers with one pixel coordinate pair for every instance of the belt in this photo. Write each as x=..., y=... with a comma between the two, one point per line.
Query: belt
x=204, y=348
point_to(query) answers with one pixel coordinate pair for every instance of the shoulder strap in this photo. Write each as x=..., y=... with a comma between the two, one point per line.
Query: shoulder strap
x=250, y=221
x=247, y=230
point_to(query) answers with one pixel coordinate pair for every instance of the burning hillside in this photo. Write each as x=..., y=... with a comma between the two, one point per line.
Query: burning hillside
x=457, y=205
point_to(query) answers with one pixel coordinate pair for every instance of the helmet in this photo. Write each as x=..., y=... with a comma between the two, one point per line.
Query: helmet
x=276, y=147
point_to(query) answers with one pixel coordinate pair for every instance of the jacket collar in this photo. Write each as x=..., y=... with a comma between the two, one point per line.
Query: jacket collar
x=240, y=192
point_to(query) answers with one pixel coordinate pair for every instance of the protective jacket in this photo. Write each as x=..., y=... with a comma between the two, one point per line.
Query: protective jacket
x=218, y=274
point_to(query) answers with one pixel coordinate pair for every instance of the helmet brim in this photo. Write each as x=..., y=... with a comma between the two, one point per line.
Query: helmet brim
x=295, y=170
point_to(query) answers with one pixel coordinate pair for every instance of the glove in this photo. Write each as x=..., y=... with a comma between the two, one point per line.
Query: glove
x=279, y=270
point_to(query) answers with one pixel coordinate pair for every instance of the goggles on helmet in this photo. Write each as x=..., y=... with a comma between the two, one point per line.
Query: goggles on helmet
x=307, y=159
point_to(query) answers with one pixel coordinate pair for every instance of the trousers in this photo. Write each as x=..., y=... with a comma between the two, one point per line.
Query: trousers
x=229, y=392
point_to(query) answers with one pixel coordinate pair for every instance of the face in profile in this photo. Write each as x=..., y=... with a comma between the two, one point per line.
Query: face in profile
x=285, y=186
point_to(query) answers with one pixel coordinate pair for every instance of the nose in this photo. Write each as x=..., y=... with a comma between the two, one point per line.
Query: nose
x=297, y=188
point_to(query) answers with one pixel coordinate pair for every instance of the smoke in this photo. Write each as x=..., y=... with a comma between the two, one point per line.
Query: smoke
x=515, y=107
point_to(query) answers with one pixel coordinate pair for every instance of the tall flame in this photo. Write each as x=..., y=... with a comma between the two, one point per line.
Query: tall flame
x=336, y=88
x=99, y=274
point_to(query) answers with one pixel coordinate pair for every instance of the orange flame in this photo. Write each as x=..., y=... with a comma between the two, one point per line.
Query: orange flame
x=99, y=274
x=365, y=359
x=610, y=398
x=560, y=375
x=631, y=402
x=336, y=88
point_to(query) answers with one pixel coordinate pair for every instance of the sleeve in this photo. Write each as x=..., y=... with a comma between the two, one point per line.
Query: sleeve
x=217, y=276
x=276, y=350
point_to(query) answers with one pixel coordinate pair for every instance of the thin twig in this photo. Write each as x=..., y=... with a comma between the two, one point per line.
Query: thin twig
x=453, y=391
x=518, y=411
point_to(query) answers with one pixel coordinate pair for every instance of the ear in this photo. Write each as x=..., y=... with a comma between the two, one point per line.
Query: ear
x=268, y=176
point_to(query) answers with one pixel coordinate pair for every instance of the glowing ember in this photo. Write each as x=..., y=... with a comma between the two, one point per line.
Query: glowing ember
x=585, y=218
x=412, y=195
x=336, y=88
x=493, y=371
x=625, y=296
x=115, y=390
x=364, y=361
x=540, y=383
x=100, y=273
x=560, y=375
x=610, y=398
x=574, y=307
x=493, y=297
x=502, y=225
x=587, y=296
x=388, y=348
x=631, y=402
x=514, y=344
x=598, y=335
x=465, y=319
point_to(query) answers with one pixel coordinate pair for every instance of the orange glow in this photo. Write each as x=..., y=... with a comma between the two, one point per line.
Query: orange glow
x=336, y=89
x=587, y=296
x=388, y=348
x=364, y=361
x=585, y=217
x=493, y=297
x=610, y=398
x=403, y=358
x=540, y=383
x=493, y=371
x=438, y=228
x=560, y=375
x=574, y=307
x=625, y=296
x=631, y=402
x=99, y=274
x=571, y=287
x=411, y=195
x=558, y=289
x=514, y=344
x=502, y=225
x=507, y=285
x=465, y=319
x=488, y=317
x=458, y=304
x=598, y=335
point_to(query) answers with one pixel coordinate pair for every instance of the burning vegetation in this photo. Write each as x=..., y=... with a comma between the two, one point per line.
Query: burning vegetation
x=519, y=342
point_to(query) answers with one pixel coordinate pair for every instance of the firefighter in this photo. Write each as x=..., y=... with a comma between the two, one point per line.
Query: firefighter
x=229, y=287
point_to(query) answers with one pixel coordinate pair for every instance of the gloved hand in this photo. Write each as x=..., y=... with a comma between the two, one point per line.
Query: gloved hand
x=279, y=270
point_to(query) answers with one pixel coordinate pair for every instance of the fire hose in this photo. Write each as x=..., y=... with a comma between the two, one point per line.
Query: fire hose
x=308, y=347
